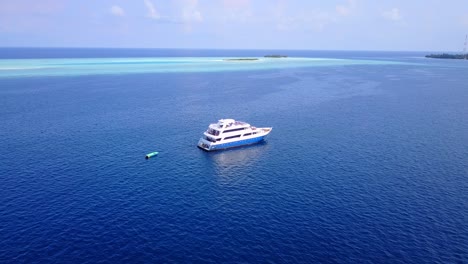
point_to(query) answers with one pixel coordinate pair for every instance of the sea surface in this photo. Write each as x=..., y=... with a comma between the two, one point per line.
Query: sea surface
x=367, y=161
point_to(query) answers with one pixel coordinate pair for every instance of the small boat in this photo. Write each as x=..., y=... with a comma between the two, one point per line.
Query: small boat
x=152, y=154
x=228, y=133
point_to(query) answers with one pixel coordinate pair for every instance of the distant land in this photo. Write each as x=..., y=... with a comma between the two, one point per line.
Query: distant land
x=241, y=59
x=447, y=56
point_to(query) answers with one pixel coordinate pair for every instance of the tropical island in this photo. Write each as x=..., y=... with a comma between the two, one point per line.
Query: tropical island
x=241, y=59
x=447, y=56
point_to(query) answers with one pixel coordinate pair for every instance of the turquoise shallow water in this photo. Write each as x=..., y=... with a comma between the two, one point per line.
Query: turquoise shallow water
x=95, y=66
x=367, y=160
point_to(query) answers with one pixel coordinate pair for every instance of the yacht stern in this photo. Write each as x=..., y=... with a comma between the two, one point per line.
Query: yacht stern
x=204, y=144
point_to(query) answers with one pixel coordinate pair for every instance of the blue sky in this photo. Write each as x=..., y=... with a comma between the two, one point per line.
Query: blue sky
x=431, y=25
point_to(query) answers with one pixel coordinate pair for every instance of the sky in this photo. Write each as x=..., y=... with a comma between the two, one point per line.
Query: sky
x=412, y=25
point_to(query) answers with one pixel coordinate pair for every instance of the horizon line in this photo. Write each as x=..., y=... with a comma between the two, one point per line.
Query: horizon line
x=240, y=49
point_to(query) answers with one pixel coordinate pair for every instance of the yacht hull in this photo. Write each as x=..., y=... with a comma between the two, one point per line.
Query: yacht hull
x=239, y=143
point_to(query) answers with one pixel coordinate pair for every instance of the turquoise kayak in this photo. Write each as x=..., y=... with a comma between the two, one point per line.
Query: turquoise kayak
x=152, y=154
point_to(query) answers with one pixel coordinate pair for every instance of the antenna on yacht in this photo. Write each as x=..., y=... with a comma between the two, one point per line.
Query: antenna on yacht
x=464, y=48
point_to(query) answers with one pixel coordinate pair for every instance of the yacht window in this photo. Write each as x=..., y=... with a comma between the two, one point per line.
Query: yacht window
x=248, y=134
x=213, y=132
x=233, y=130
x=232, y=137
x=210, y=139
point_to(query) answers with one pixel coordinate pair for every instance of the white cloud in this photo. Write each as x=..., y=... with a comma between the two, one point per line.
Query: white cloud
x=316, y=21
x=191, y=15
x=304, y=20
x=309, y=18
x=152, y=12
x=319, y=20
x=237, y=11
x=190, y=12
x=464, y=20
x=184, y=12
x=236, y=4
x=392, y=14
x=346, y=9
x=117, y=11
x=342, y=10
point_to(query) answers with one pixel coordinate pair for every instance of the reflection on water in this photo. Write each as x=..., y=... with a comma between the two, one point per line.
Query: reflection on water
x=233, y=166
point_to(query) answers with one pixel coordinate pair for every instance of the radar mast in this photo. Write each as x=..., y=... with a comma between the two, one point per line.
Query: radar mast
x=464, y=47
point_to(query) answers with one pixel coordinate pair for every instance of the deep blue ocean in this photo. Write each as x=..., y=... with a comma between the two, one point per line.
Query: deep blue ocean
x=367, y=161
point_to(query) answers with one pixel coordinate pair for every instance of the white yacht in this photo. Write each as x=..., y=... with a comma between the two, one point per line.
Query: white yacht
x=228, y=133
